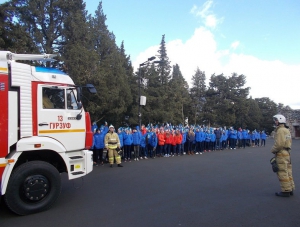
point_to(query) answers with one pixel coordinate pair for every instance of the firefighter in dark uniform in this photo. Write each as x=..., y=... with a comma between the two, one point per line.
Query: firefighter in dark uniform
x=112, y=144
x=282, y=150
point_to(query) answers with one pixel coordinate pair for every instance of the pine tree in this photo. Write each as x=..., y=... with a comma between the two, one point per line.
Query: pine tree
x=113, y=69
x=227, y=100
x=180, y=97
x=268, y=110
x=43, y=21
x=254, y=116
x=164, y=67
x=13, y=36
x=198, y=94
x=152, y=89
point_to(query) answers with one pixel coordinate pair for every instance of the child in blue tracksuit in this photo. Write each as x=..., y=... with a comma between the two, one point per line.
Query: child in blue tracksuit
x=233, y=138
x=136, y=140
x=120, y=134
x=143, y=146
x=253, y=138
x=239, y=138
x=98, y=145
x=257, y=138
x=127, y=138
x=152, y=143
x=207, y=141
x=182, y=150
x=213, y=140
x=263, y=137
x=244, y=137
x=197, y=140
x=224, y=140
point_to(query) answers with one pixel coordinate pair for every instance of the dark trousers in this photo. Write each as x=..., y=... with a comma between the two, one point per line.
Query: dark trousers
x=244, y=143
x=218, y=143
x=167, y=148
x=127, y=151
x=150, y=150
x=207, y=147
x=97, y=155
x=213, y=145
x=178, y=148
x=198, y=146
x=160, y=149
x=232, y=143
x=190, y=146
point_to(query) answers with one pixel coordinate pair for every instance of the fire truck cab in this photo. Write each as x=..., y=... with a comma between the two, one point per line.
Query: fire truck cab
x=44, y=132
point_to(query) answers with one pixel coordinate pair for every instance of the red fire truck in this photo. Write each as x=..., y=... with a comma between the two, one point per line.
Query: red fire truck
x=44, y=132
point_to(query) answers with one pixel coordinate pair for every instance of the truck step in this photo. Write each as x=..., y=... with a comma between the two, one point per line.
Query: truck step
x=76, y=157
x=78, y=173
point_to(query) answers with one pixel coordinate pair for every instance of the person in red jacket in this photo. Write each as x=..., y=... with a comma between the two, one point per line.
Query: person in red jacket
x=168, y=142
x=161, y=142
x=173, y=143
x=143, y=130
x=178, y=139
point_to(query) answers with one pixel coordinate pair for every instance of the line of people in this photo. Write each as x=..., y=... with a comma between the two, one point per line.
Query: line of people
x=170, y=141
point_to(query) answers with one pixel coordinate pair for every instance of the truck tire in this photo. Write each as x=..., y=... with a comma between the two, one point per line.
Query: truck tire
x=33, y=187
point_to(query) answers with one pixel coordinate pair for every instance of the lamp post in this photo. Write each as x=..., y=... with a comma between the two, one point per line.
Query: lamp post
x=142, y=64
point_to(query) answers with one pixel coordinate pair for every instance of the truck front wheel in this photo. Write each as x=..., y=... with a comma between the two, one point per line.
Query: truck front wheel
x=33, y=187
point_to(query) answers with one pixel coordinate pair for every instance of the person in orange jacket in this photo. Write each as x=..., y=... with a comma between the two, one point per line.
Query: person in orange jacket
x=168, y=143
x=173, y=143
x=161, y=142
x=178, y=140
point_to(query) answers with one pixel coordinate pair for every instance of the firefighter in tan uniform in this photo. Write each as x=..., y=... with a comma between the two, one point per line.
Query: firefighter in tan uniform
x=281, y=149
x=112, y=143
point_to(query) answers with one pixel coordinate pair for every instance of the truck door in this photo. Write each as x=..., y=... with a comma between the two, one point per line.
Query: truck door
x=57, y=116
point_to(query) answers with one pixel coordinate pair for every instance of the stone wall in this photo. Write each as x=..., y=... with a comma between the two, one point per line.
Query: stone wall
x=293, y=120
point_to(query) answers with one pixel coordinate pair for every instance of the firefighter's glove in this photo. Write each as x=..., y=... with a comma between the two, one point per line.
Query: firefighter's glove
x=274, y=165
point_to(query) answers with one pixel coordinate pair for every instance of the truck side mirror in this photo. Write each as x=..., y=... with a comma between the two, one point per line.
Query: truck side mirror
x=91, y=88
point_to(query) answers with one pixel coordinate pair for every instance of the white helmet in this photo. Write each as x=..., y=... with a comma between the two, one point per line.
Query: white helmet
x=111, y=126
x=280, y=118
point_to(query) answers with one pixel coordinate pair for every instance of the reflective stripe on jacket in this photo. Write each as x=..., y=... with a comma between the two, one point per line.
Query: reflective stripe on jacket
x=112, y=140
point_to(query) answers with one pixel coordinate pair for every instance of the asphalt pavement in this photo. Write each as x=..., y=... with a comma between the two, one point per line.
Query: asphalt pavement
x=221, y=188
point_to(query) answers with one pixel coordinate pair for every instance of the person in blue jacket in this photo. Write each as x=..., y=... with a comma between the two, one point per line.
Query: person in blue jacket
x=197, y=140
x=233, y=138
x=183, y=132
x=224, y=140
x=239, y=138
x=121, y=138
x=248, y=142
x=207, y=141
x=263, y=137
x=94, y=127
x=212, y=140
x=244, y=138
x=253, y=137
x=257, y=138
x=136, y=141
x=127, y=138
x=202, y=138
x=152, y=143
x=143, y=146
x=98, y=145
